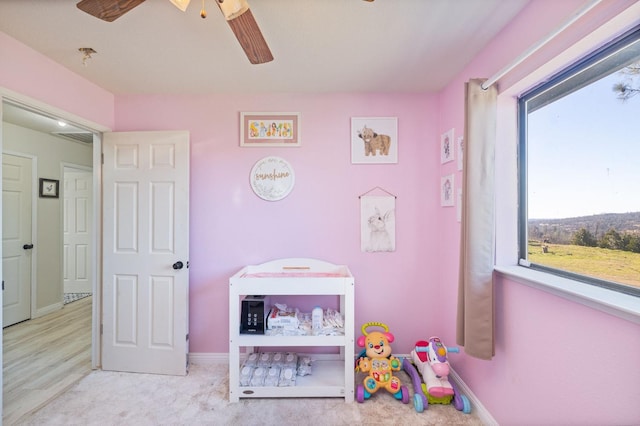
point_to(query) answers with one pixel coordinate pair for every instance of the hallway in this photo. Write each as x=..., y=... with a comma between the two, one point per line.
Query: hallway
x=45, y=356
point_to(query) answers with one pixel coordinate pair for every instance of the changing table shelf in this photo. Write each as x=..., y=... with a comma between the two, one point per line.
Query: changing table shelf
x=333, y=375
x=263, y=341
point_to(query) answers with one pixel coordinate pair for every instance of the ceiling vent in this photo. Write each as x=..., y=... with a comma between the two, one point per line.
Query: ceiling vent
x=83, y=137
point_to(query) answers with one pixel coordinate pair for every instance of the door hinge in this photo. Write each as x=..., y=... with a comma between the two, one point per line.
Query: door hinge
x=101, y=329
x=2, y=284
x=102, y=158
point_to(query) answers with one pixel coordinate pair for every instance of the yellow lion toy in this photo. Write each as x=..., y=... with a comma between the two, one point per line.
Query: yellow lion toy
x=380, y=364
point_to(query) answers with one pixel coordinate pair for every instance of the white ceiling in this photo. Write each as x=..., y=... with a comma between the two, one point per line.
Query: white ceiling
x=319, y=46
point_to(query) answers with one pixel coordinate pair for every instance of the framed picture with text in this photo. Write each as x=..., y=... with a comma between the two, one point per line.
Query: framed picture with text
x=269, y=129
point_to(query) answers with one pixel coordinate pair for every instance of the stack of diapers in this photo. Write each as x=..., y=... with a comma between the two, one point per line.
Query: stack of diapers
x=273, y=369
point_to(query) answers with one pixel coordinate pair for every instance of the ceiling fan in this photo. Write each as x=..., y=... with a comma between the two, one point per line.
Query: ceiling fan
x=236, y=12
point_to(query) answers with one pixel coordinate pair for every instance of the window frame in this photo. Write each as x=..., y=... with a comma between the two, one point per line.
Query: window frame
x=547, y=91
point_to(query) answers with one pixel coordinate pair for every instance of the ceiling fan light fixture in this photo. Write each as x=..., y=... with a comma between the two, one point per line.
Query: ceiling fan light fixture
x=231, y=9
x=86, y=54
x=181, y=4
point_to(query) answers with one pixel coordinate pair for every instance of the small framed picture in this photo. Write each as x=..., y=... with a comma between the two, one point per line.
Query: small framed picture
x=446, y=191
x=460, y=152
x=49, y=188
x=269, y=129
x=374, y=140
x=447, y=148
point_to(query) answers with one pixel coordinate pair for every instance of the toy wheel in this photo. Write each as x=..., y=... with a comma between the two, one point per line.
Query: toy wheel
x=360, y=393
x=458, y=402
x=405, y=394
x=425, y=401
x=417, y=403
x=466, y=405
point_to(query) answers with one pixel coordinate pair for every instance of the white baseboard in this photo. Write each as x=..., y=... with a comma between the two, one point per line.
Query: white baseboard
x=78, y=288
x=476, y=406
x=208, y=358
x=47, y=310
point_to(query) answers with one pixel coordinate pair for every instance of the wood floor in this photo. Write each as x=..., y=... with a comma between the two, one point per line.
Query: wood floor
x=45, y=356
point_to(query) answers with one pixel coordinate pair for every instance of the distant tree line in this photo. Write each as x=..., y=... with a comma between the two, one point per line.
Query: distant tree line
x=553, y=233
x=611, y=239
x=565, y=231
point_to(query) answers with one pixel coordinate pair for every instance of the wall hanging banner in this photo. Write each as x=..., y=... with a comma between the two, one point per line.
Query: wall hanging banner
x=377, y=223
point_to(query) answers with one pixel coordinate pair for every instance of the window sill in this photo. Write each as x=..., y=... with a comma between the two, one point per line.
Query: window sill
x=621, y=305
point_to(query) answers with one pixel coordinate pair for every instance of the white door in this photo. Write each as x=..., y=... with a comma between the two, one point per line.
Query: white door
x=17, y=246
x=146, y=252
x=77, y=225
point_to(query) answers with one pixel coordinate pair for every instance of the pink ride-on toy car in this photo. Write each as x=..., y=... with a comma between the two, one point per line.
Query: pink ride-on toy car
x=430, y=359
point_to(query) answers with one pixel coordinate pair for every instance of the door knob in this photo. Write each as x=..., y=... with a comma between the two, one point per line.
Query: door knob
x=27, y=246
x=178, y=265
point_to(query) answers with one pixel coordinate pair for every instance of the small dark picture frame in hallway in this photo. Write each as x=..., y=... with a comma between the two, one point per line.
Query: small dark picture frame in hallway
x=49, y=188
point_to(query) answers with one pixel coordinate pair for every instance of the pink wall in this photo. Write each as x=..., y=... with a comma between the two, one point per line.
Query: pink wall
x=414, y=289
x=232, y=227
x=27, y=72
x=557, y=362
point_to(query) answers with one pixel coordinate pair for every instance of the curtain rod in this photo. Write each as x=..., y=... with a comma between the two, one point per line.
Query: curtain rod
x=577, y=15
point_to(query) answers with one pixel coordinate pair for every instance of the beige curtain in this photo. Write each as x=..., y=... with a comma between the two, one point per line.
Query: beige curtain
x=475, y=327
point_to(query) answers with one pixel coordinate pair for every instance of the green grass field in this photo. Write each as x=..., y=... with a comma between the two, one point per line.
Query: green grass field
x=612, y=265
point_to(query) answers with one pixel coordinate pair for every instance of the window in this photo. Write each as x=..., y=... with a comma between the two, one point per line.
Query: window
x=579, y=167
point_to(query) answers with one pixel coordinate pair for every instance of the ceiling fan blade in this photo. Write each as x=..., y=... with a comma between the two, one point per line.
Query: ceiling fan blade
x=248, y=34
x=107, y=10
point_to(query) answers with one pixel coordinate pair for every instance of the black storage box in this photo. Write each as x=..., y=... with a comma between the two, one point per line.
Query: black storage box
x=252, y=314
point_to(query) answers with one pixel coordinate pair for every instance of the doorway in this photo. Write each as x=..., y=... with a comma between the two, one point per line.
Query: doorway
x=17, y=241
x=16, y=112
x=77, y=232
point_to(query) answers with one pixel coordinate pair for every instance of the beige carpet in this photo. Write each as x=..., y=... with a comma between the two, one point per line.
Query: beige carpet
x=201, y=398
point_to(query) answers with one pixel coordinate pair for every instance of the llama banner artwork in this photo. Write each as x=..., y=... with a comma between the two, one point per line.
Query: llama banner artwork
x=377, y=223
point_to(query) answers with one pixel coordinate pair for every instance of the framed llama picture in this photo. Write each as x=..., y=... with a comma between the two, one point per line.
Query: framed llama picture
x=447, y=148
x=374, y=140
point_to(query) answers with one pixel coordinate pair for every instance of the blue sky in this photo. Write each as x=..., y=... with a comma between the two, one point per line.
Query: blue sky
x=584, y=154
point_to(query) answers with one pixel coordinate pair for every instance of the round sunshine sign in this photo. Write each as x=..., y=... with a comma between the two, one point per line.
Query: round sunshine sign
x=272, y=178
